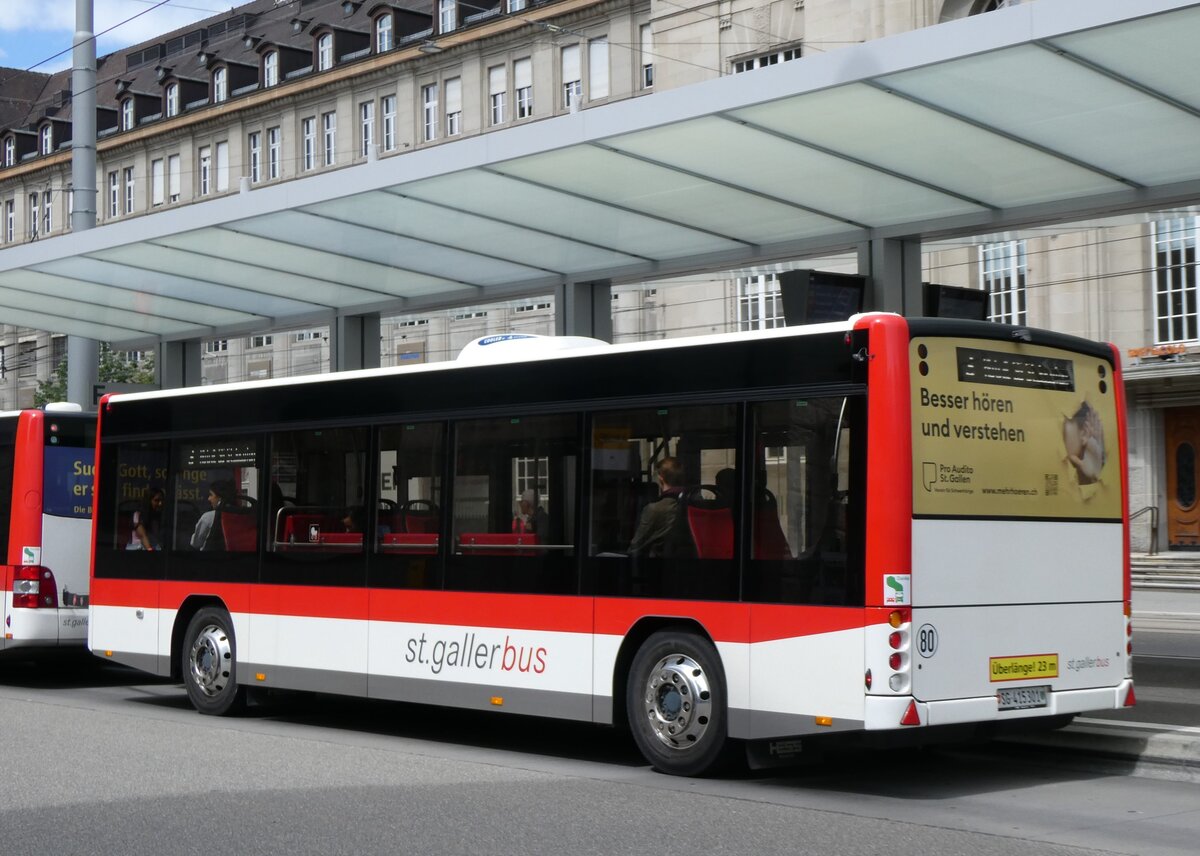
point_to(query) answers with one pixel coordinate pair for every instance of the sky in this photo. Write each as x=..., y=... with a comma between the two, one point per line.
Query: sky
x=32, y=31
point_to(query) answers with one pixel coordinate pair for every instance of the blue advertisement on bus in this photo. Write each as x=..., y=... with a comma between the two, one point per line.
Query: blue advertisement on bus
x=67, y=481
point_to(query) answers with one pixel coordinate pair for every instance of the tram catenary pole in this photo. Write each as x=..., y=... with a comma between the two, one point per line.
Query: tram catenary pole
x=83, y=355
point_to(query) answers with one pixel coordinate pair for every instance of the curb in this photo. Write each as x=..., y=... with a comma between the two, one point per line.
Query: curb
x=1153, y=751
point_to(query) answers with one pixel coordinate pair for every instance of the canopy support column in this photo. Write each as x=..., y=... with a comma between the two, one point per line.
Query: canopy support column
x=584, y=309
x=354, y=342
x=893, y=268
x=178, y=364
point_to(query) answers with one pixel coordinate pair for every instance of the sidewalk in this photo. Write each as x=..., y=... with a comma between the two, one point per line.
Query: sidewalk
x=1143, y=749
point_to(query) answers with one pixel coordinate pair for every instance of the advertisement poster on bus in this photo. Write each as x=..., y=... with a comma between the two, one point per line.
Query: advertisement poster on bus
x=1010, y=429
x=67, y=481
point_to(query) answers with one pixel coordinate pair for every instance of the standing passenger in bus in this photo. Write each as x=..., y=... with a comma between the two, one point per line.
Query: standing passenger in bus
x=659, y=518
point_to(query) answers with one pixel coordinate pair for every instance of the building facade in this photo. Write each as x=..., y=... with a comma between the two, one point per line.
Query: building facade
x=276, y=90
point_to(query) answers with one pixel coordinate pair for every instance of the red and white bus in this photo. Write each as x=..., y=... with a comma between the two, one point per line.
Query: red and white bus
x=876, y=526
x=45, y=526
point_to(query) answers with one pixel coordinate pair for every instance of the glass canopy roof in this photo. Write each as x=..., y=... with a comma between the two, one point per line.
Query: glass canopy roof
x=1052, y=110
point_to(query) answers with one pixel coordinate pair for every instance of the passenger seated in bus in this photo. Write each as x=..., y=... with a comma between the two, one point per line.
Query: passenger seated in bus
x=206, y=536
x=727, y=486
x=531, y=517
x=147, y=521
x=354, y=520
x=659, y=519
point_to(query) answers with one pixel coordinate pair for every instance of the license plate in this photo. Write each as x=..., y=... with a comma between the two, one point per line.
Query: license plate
x=1022, y=698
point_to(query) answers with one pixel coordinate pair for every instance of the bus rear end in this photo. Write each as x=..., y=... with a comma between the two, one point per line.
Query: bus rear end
x=1016, y=605
x=45, y=527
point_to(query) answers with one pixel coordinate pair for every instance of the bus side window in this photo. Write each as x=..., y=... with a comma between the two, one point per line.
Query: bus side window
x=214, y=496
x=515, y=477
x=142, y=499
x=318, y=479
x=800, y=538
x=409, y=517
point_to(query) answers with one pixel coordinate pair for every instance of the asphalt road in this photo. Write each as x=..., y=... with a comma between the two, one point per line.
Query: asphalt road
x=96, y=760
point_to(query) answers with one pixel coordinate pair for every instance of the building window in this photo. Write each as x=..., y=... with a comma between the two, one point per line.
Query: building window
x=214, y=346
x=308, y=131
x=383, y=33
x=222, y=167
x=255, y=141
x=1002, y=276
x=329, y=125
x=366, y=125
x=220, y=85
x=157, y=182
x=516, y=5
x=47, y=139
x=760, y=306
x=128, y=181
x=763, y=60
x=173, y=181
x=114, y=194
x=447, y=17
x=10, y=221
x=173, y=99
x=271, y=68
x=598, y=68
x=429, y=109
x=647, y=56
x=1175, y=311
x=48, y=211
x=325, y=52
x=389, y=123
x=10, y=151
x=572, y=85
x=453, y=107
x=497, y=90
x=274, y=143
x=127, y=115
x=523, y=82
x=205, y=175
x=261, y=341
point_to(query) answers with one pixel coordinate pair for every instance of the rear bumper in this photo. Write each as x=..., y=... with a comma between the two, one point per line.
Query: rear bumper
x=884, y=712
x=46, y=628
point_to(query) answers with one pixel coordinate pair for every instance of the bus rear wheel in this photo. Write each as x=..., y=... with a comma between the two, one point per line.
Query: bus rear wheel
x=209, y=663
x=676, y=704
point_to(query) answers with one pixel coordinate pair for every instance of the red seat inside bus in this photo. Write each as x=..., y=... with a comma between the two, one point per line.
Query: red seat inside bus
x=709, y=521
x=496, y=544
x=239, y=526
x=306, y=527
x=769, y=540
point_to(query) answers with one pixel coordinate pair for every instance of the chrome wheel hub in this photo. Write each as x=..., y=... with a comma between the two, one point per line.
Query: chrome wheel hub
x=678, y=701
x=211, y=660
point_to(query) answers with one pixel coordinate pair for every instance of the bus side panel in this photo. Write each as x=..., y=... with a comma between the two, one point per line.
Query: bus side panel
x=123, y=624
x=25, y=532
x=65, y=551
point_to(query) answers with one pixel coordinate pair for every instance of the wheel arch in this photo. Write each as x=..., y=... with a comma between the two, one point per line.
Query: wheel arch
x=183, y=617
x=637, y=635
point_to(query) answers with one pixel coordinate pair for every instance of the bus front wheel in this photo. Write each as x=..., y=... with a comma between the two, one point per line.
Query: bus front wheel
x=209, y=657
x=676, y=704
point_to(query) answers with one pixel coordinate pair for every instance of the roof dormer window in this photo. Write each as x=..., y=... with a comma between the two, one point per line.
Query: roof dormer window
x=128, y=117
x=220, y=85
x=172, y=99
x=383, y=33
x=325, y=52
x=10, y=151
x=46, y=139
x=447, y=15
x=271, y=68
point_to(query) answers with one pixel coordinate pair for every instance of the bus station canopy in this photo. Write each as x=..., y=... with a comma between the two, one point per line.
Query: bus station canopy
x=1045, y=112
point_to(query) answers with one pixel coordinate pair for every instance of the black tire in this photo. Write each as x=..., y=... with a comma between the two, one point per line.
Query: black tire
x=209, y=663
x=676, y=703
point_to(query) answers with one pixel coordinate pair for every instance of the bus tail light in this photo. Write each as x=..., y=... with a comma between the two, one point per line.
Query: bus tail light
x=34, y=587
x=900, y=620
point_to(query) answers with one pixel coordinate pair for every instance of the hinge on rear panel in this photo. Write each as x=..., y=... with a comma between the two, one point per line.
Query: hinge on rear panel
x=861, y=356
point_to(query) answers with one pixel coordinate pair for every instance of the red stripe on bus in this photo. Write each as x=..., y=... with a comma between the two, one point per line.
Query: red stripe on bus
x=725, y=622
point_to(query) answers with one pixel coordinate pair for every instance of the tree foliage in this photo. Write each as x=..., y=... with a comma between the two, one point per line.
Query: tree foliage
x=113, y=368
